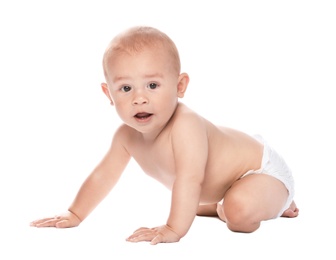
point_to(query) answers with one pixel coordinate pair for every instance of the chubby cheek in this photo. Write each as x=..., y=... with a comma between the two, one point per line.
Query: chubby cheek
x=167, y=106
x=121, y=109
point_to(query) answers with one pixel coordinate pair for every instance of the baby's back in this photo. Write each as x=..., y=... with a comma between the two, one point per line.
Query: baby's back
x=231, y=154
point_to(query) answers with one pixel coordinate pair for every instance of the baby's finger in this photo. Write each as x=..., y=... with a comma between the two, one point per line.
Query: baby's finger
x=47, y=223
x=140, y=229
x=157, y=239
x=139, y=232
x=41, y=221
x=63, y=223
x=143, y=235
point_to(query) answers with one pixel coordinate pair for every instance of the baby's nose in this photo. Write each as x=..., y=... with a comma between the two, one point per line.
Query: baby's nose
x=139, y=100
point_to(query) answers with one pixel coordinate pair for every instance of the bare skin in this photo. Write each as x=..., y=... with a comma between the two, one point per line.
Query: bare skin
x=217, y=210
x=201, y=163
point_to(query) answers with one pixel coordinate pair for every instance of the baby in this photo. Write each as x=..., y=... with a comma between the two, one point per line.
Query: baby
x=210, y=170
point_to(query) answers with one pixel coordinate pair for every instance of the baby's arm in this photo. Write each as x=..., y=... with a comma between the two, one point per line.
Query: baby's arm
x=190, y=153
x=94, y=189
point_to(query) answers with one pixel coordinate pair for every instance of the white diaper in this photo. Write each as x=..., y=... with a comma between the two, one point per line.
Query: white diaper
x=273, y=164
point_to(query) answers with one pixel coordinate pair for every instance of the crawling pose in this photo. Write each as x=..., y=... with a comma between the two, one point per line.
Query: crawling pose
x=210, y=170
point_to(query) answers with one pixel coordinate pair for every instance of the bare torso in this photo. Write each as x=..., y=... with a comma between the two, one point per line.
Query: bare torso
x=231, y=154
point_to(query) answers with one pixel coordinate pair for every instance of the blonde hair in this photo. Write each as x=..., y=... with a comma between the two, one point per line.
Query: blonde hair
x=136, y=39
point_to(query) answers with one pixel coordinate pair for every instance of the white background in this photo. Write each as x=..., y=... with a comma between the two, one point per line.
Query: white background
x=264, y=67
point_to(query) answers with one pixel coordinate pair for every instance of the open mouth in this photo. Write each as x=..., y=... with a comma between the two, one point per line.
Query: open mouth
x=143, y=116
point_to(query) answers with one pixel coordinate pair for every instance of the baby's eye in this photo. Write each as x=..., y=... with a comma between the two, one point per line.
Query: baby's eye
x=126, y=88
x=152, y=85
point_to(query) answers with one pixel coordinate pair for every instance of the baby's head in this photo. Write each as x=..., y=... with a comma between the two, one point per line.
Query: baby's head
x=140, y=38
x=143, y=78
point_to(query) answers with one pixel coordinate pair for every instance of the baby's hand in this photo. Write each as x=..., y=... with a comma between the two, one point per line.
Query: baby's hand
x=162, y=234
x=65, y=220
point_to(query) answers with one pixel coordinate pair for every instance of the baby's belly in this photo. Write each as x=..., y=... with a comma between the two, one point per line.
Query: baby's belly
x=216, y=184
x=213, y=193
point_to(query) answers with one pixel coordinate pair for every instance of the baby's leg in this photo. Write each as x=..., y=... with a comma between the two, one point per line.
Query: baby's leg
x=291, y=212
x=209, y=210
x=252, y=199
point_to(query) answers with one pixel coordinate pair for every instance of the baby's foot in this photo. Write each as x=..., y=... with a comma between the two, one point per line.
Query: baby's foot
x=220, y=212
x=291, y=212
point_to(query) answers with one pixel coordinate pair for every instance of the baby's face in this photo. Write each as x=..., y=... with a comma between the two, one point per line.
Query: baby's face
x=143, y=88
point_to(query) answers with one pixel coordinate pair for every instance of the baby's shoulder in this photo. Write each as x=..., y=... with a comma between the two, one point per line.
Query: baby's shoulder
x=185, y=115
x=188, y=121
x=124, y=133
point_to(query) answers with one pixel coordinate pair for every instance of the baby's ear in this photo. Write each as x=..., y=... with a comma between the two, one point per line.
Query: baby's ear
x=106, y=92
x=182, y=85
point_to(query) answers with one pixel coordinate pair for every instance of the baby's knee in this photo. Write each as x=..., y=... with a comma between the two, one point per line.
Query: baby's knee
x=240, y=217
x=246, y=227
